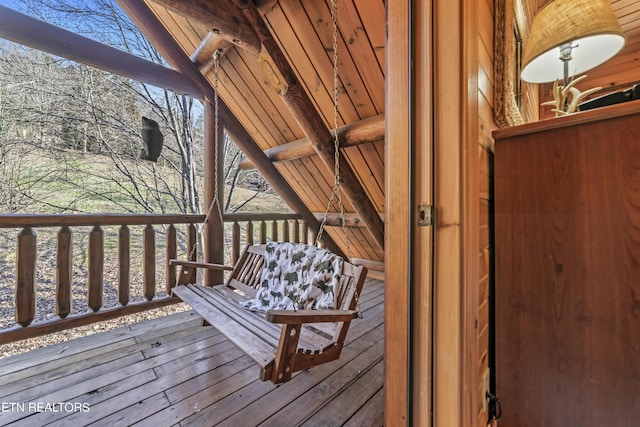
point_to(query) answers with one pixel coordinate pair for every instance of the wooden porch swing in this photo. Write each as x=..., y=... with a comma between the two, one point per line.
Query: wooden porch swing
x=281, y=342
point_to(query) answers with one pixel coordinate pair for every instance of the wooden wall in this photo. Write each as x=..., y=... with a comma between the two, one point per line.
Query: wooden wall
x=486, y=124
x=485, y=149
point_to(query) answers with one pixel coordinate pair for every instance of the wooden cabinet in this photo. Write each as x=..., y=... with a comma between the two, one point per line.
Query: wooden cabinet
x=567, y=291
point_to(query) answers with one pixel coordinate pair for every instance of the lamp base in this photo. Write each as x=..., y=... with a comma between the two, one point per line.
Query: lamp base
x=566, y=99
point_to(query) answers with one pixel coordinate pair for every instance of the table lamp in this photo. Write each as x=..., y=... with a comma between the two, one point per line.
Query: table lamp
x=568, y=37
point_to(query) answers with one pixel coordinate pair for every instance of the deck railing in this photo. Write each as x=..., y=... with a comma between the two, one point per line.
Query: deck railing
x=137, y=264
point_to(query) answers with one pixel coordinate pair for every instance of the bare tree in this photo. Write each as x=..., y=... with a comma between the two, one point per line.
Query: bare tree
x=71, y=109
x=75, y=107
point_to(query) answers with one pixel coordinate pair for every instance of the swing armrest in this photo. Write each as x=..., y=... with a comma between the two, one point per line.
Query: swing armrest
x=201, y=265
x=310, y=316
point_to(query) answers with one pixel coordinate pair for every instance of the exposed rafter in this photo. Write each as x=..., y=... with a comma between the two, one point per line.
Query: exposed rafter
x=153, y=29
x=40, y=35
x=356, y=133
x=203, y=55
x=335, y=220
x=222, y=17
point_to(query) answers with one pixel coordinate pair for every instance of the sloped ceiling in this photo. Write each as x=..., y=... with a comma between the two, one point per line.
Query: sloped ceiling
x=304, y=32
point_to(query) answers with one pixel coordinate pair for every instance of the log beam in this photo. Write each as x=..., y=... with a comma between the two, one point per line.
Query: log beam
x=28, y=31
x=153, y=29
x=223, y=17
x=335, y=220
x=363, y=131
x=203, y=55
x=304, y=112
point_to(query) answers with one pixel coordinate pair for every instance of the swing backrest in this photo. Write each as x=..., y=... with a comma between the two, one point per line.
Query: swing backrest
x=247, y=270
x=246, y=274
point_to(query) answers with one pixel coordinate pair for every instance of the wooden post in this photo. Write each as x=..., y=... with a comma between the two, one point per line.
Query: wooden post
x=64, y=272
x=96, y=268
x=124, y=262
x=214, y=227
x=26, y=277
x=149, y=262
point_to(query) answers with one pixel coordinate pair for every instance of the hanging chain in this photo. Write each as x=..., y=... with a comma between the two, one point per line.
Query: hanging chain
x=335, y=193
x=216, y=184
x=215, y=201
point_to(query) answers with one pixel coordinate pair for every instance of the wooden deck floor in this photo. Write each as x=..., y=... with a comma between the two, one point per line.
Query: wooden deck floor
x=172, y=371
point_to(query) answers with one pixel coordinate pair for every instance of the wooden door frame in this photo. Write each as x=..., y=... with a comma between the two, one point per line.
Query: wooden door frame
x=431, y=103
x=398, y=216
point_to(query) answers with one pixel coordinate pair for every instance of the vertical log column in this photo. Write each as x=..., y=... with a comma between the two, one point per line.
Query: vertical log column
x=96, y=268
x=64, y=272
x=214, y=228
x=26, y=277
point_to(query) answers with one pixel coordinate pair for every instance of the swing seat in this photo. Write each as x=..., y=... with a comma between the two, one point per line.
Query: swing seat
x=281, y=342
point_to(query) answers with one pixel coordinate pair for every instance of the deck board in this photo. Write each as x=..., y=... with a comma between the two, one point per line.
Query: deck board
x=172, y=371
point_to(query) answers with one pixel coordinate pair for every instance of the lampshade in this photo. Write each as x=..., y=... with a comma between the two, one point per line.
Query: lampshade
x=589, y=25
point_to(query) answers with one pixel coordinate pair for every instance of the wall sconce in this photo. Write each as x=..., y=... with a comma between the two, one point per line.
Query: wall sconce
x=569, y=37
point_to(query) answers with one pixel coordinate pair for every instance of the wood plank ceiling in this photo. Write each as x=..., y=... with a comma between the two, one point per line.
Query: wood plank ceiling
x=304, y=33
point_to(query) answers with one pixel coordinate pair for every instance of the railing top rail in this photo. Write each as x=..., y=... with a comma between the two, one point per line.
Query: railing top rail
x=59, y=220
x=259, y=216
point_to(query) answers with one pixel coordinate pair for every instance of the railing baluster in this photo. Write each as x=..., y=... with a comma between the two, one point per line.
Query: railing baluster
x=26, y=277
x=96, y=268
x=285, y=231
x=149, y=262
x=235, y=242
x=192, y=243
x=172, y=253
x=249, y=232
x=26, y=256
x=274, y=231
x=64, y=272
x=305, y=232
x=263, y=232
x=124, y=264
x=296, y=231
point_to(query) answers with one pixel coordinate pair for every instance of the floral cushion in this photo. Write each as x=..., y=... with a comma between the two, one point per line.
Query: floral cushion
x=296, y=277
